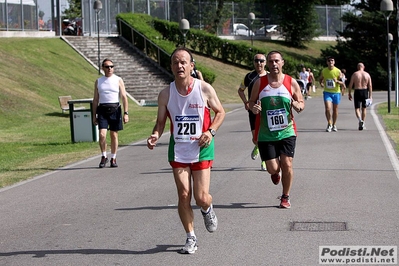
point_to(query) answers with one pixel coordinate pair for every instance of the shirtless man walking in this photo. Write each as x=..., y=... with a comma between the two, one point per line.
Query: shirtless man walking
x=361, y=81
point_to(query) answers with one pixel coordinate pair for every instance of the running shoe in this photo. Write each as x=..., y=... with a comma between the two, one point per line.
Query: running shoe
x=361, y=125
x=210, y=220
x=190, y=247
x=263, y=166
x=275, y=178
x=334, y=128
x=329, y=127
x=285, y=202
x=255, y=153
x=113, y=162
x=103, y=162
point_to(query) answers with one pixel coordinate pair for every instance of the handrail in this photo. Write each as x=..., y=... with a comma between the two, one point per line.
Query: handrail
x=142, y=43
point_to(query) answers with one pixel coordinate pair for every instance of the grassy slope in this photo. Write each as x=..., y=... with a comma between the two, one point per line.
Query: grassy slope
x=35, y=135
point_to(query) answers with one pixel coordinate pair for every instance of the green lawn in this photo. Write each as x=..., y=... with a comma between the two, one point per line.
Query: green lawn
x=35, y=135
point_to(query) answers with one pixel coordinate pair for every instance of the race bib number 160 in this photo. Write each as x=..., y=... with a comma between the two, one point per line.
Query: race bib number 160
x=277, y=119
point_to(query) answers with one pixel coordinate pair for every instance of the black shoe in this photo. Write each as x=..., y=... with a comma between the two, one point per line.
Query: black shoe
x=104, y=161
x=361, y=125
x=113, y=162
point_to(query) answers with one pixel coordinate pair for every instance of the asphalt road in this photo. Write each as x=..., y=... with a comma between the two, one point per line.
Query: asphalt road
x=345, y=192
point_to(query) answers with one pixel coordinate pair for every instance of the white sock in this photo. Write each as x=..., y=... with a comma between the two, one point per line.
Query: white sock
x=360, y=120
x=207, y=210
x=113, y=156
x=104, y=154
x=191, y=234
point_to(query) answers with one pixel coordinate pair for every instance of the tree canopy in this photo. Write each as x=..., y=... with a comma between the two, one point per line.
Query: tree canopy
x=365, y=40
x=74, y=10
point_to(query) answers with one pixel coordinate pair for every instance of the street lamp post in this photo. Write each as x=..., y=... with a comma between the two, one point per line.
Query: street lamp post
x=251, y=17
x=390, y=39
x=97, y=7
x=396, y=58
x=386, y=7
x=184, y=27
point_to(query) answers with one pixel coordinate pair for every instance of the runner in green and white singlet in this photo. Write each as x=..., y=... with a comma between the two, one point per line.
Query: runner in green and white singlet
x=272, y=100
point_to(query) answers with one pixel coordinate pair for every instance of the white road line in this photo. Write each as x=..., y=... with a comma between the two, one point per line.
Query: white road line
x=387, y=143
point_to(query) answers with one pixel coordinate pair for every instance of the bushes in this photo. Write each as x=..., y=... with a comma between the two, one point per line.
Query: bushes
x=168, y=36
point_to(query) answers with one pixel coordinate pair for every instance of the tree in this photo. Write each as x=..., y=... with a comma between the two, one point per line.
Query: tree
x=74, y=10
x=297, y=19
x=218, y=16
x=364, y=40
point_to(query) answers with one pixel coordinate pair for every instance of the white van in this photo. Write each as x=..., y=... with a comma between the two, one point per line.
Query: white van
x=241, y=29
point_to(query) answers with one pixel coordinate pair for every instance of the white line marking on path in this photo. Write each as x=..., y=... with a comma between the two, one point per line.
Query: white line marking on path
x=388, y=145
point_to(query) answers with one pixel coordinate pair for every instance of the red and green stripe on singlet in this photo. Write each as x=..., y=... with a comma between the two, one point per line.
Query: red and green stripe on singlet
x=276, y=111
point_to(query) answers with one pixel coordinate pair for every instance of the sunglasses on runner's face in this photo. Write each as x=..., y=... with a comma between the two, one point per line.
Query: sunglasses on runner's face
x=109, y=67
x=259, y=60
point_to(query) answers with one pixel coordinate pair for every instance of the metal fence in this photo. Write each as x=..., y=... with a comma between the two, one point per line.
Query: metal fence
x=25, y=14
x=329, y=19
x=19, y=15
x=201, y=14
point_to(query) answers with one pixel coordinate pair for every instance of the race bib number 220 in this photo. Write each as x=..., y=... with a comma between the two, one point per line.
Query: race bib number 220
x=186, y=128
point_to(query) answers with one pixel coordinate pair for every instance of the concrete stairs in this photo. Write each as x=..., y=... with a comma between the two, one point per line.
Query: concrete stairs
x=143, y=78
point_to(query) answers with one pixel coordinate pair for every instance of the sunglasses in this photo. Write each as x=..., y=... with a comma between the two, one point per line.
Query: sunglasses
x=109, y=67
x=259, y=60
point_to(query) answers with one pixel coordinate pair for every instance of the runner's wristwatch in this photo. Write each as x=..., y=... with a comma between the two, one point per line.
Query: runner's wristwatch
x=213, y=132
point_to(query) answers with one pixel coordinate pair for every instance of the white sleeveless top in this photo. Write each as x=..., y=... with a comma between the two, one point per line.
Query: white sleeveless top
x=108, y=89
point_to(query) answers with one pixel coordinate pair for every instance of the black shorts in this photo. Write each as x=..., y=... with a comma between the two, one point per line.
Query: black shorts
x=111, y=121
x=359, y=97
x=273, y=149
x=252, y=119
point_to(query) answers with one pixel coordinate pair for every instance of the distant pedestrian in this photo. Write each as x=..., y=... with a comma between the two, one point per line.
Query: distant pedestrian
x=343, y=79
x=273, y=97
x=311, y=83
x=107, y=111
x=248, y=82
x=329, y=80
x=304, y=76
x=361, y=81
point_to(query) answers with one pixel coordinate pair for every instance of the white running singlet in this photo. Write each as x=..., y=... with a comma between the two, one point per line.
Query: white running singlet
x=190, y=117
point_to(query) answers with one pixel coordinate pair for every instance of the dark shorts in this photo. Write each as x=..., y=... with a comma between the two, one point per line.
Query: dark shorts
x=359, y=97
x=252, y=119
x=273, y=149
x=111, y=121
x=193, y=166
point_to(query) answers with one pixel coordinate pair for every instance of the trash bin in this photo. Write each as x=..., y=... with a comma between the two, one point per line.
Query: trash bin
x=82, y=127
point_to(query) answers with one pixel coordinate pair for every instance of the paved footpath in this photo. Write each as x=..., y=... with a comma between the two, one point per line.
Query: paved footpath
x=345, y=192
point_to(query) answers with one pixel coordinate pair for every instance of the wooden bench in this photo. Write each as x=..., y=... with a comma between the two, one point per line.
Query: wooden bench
x=64, y=103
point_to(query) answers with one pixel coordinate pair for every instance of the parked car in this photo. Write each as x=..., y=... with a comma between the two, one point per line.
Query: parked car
x=242, y=29
x=268, y=29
